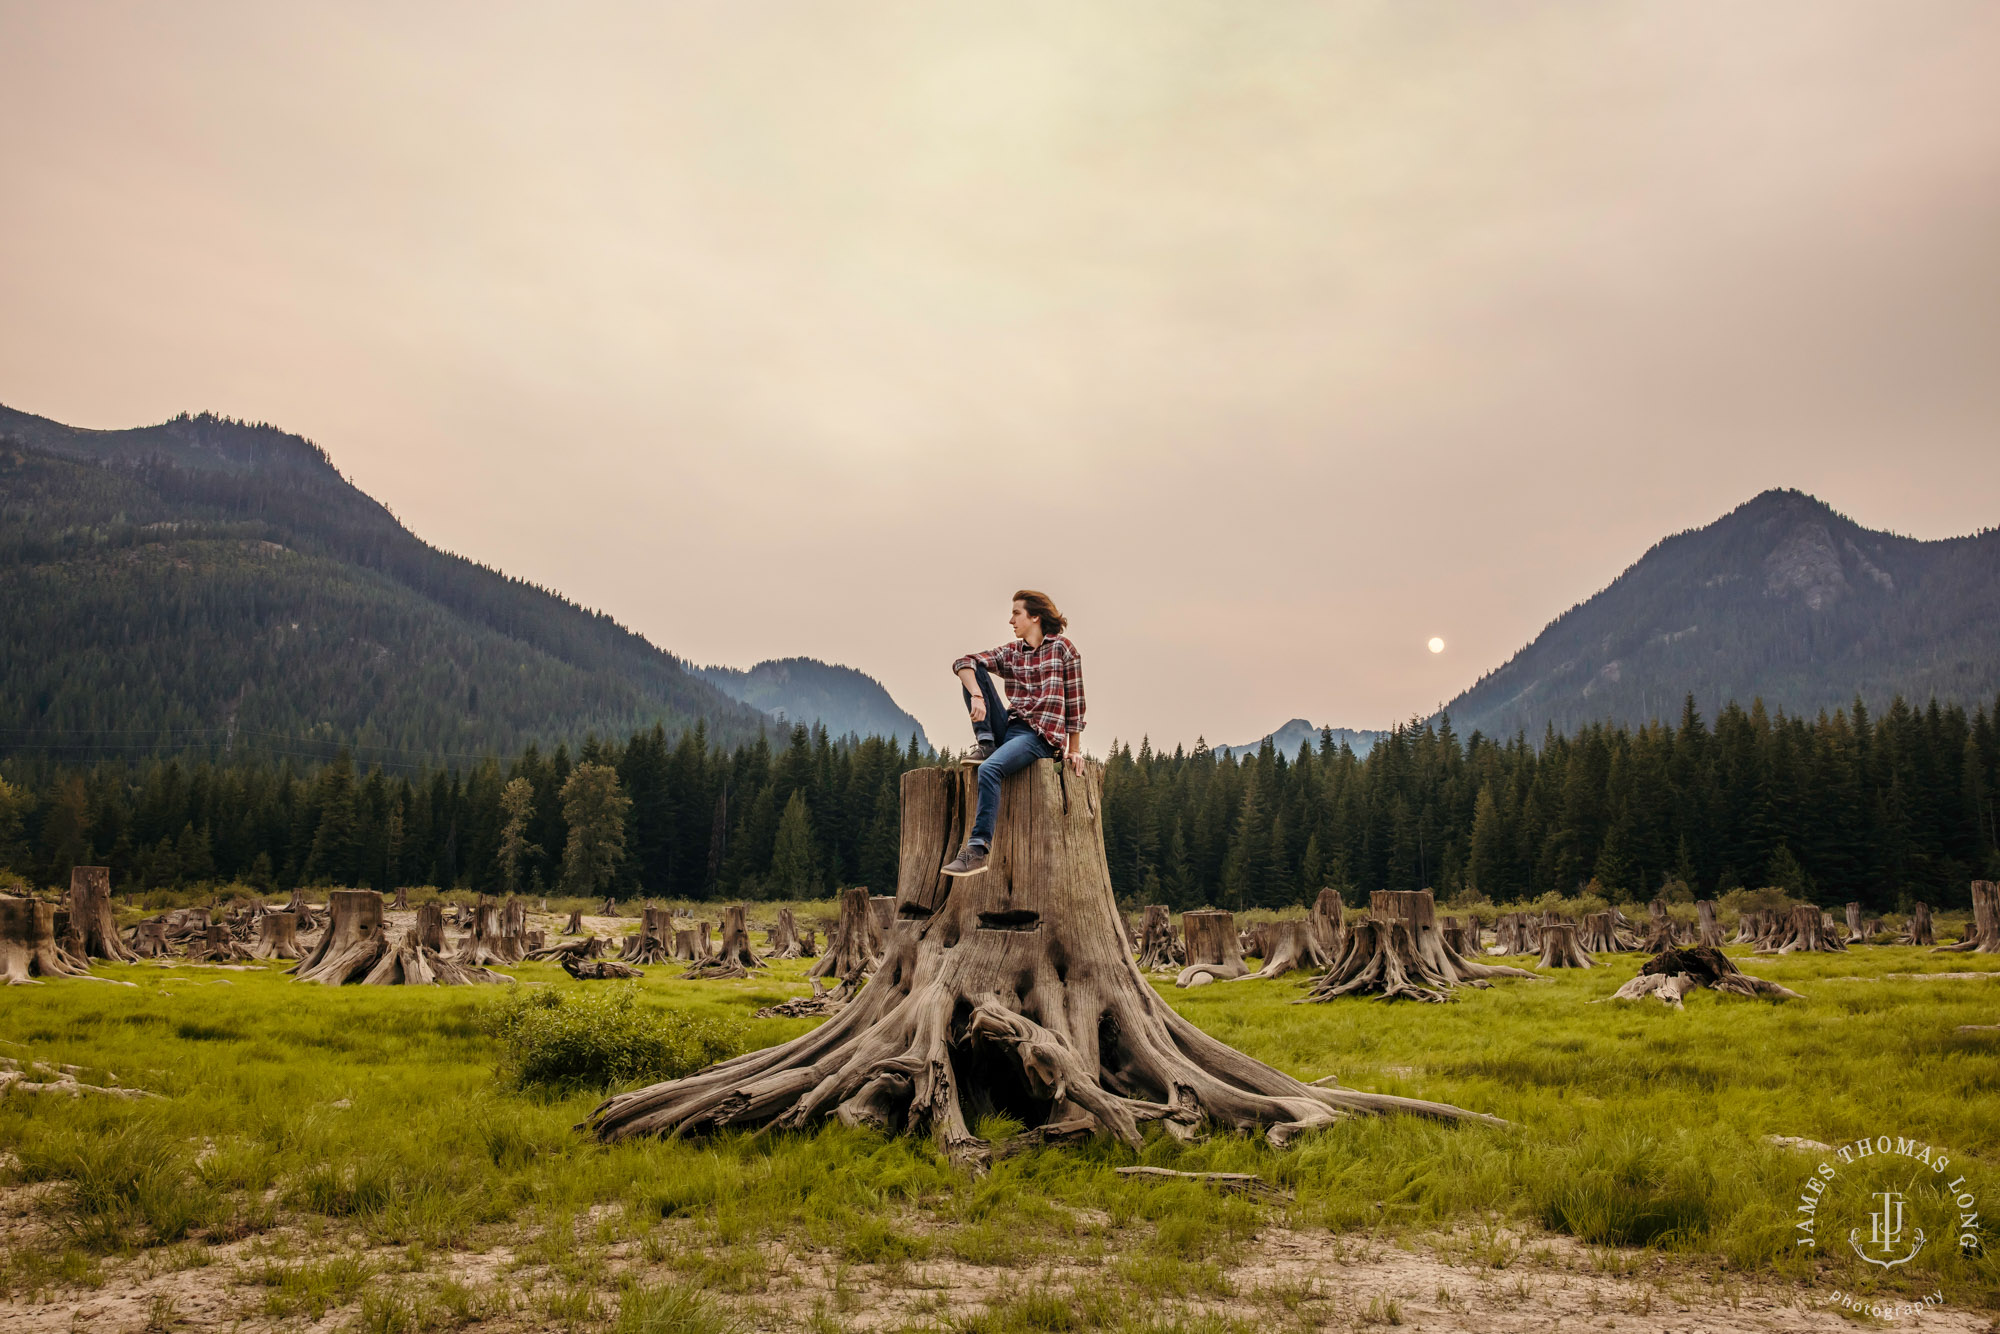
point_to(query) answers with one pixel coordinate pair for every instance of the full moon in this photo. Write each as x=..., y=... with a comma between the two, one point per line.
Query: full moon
x=1436, y=644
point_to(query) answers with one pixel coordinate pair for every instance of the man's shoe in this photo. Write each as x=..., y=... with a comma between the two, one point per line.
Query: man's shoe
x=971, y=860
x=981, y=751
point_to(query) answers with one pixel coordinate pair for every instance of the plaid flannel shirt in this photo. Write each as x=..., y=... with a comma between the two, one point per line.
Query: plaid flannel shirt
x=1044, y=685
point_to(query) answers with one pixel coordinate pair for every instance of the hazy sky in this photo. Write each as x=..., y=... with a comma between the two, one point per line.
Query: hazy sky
x=1271, y=339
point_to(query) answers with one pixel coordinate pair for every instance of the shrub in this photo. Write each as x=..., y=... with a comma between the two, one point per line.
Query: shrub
x=597, y=1038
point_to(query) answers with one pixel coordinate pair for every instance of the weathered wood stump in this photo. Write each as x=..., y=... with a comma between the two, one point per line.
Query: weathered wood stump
x=655, y=942
x=808, y=943
x=884, y=908
x=1212, y=952
x=1673, y=973
x=218, y=946
x=1560, y=948
x=1009, y=992
x=1707, y=932
x=402, y=903
x=1599, y=934
x=735, y=958
x=302, y=911
x=1397, y=953
x=1983, y=936
x=149, y=940
x=583, y=947
x=356, y=949
x=430, y=927
x=1255, y=941
x=485, y=944
x=1917, y=931
x=1806, y=929
x=513, y=944
x=596, y=970
x=93, y=927
x=1157, y=946
x=1328, y=923
x=1295, y=945
x=610, y=908
x=574, y=927
x=28, y=948
x=782, y=941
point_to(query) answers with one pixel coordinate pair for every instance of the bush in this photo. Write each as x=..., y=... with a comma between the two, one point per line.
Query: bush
x=598, y=1038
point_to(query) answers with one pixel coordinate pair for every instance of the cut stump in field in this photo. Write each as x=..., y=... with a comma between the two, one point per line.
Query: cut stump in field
x=1983, y=935
x=1560, y=948
x=1707, y=932
x=1917, y=931
x=356, y=949
x=1009, y=992
x=655, y=942
x=1397, y=952
x=782, y=941
x=1213, y=953
x=149, y=940
x=574, y=926
x=93, y=927
x=1328, y=922
x=734, y=958
x=1805, y=930
x=1673, y=973
x=851, y=952
x=28, y=948
x=218, y=946
x=1157, y=946
x=1294, y=945
x=430, y=927
x=402, y=903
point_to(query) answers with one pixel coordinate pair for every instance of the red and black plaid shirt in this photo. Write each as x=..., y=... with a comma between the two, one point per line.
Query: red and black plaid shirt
x=1044, y=685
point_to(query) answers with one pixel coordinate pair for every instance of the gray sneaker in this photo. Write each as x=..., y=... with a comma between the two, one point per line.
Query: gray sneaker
x=981, y=751
x=971, y=860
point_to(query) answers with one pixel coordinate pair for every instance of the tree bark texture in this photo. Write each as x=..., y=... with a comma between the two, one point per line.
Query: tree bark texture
x=1212, y=950
x=1707, y=932
x=655, y=942
x=1294, y=945
x=93, y=927
x=484, y=944
x=402, y=902
x=735, y=958
x=574, y=926
x=1855, y=935
x=1917, y=931
x=1009, y=992
x=1157, y=946
x=28, y=948
x=430, y=927
x=1599, y=934
x=1560, y=948
x=1983, y=936
x=783, y=940
x=1398, y=953
x=1328, y=923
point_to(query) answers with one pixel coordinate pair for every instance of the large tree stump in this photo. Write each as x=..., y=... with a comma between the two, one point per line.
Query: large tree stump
x=218, y=946
x=1255, y=941
x=1010, y=992
x=1983, y=936
x=1707, y=932
x=1294, y=945
x=1599, y=934
x=808, y=943
x=1397, y=953
x=356, y=949
x=149, y=940
x=735, y=958
x=1917, y=931
x=782, y=941
x=884, y=908
x=430, y=927
x=1561, y=950
x=93, y=927
x=487, y=943
x=1157, y=946
x=28, y=948
x=1855, y=935
x=402, y=903
x=1212, y=951
x=1806, y=929
x=301, y=911
x=1327, y=920
x=655, y=942
x=513, y=945
x=574, y=927
x=1673, y=973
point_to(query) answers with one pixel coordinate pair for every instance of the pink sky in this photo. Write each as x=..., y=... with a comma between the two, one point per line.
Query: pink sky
x=1271, y=339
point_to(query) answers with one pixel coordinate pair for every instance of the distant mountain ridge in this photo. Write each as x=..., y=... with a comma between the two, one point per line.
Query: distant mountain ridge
x=1287, y=740
x=1783, y=600
x=210, y=585
x=806, y=690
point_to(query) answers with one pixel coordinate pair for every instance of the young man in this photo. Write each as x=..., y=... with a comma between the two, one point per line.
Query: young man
x=1041, y=719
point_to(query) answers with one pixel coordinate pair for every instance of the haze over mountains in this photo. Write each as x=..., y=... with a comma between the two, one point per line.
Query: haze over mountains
x=211, y=586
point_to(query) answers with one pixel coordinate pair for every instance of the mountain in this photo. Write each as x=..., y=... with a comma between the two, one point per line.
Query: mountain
x=212, y=586
x=806, y=690
x=1297, y=732
x=1781, y=599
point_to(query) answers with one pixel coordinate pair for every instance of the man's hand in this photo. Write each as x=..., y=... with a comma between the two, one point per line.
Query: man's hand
x=1076, y=762
x=978, y=707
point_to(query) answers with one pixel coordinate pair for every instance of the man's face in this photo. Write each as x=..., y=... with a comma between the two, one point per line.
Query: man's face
x=1020, y=620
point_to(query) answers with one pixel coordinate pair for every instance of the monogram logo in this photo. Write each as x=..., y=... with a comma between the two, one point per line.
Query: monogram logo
x=1885, y=1233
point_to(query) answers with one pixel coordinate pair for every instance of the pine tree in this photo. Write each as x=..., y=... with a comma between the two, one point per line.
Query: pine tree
x=517, y=803
x=594, y=809
x=792, y=872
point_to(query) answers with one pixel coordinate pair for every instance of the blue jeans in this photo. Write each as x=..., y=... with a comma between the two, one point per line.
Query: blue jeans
x=1018, y=746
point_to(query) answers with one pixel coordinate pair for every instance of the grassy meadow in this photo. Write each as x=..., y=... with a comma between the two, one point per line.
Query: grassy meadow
x=367, y=1154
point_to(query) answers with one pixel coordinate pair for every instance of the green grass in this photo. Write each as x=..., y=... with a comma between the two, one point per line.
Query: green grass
x=356, y=1119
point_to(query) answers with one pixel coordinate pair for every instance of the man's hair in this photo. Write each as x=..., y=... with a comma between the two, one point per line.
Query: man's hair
x=1042, y=609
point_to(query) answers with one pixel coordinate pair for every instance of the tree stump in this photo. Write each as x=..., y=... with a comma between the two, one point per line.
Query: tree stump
x=1561, y=950
x=1983, y=936
x=149, y=940
x=655, y=942
x=1254, y=942
x=93, y=927
x=596, y=970
x=1327, y=921
x=186, y=926
x=1212, y=952
x=356, y=949
x=1917, y=931
x=1806, y=929
x=1855, y=935
x=610, y=908
x=1009, y=992
x=782, y=941
x=483, y=944
x=1295, y=945
x=735, y=958
x=430, y=927
x=28, y=947
x=1673, y=973
x=402, y=902
x=302, y=911
x=513, y=943
x=808, y=943
x=1599, y=934
x=1707, y=932
x=218, y=946
x=574, y=927
x=1397, y=953
x=1157, y=947
x=884, y=908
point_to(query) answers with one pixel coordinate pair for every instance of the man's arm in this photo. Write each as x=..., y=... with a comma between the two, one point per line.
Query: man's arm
x=1073, y=708
x=994, y=661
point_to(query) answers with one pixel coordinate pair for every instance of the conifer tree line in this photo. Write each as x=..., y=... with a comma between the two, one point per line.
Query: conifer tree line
x=1835, y=808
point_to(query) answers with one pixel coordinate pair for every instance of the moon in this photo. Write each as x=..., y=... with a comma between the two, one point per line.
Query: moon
x=1436, y=645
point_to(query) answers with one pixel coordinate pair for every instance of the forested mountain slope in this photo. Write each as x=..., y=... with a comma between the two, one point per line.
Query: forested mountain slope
x=808, y=691
x=209, y=586
x=1782, y=600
